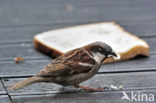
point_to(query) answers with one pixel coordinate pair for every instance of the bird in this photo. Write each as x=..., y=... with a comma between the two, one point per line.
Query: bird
x=73, y=67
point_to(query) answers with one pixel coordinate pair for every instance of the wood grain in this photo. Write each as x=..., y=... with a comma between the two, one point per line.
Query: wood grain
x=4, y=99
x=2, y=90
x=141, y=28
x=27, y=16
x=58, y=3
x=82, y=97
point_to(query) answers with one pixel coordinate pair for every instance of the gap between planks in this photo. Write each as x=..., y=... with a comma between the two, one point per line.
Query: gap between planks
x=7, y=93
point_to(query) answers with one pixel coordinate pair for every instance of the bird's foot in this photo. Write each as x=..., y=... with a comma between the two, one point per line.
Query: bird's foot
x=91, y=89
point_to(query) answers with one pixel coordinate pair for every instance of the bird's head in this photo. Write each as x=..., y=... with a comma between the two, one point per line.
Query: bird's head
x=101, y=51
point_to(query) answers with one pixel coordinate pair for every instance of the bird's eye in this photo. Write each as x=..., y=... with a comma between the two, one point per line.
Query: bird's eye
x=99, y=49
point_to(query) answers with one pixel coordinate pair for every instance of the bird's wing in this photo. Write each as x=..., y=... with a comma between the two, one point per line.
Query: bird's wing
x=72, y=62
x=55, y=70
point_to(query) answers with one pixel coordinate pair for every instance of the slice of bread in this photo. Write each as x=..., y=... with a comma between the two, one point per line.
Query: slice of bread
x=57, y=42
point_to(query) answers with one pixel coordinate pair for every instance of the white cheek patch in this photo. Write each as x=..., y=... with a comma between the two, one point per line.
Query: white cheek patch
x=98, y=57
x=85, y=64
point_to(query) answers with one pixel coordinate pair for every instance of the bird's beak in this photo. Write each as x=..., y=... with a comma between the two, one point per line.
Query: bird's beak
x=114, y=55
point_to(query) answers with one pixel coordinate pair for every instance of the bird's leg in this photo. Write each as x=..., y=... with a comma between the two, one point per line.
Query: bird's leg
x=90, y=88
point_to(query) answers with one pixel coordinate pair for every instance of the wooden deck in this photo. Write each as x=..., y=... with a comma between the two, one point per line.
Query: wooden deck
x=20, y=20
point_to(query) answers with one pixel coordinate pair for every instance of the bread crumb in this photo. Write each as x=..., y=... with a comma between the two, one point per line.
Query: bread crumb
x=116, y=88
x=18, y=59
x=69, y=7
x=120, y=87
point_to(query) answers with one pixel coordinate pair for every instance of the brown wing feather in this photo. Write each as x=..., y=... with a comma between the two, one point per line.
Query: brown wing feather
x=55, y=70
x=77, y=68
x=68, y=64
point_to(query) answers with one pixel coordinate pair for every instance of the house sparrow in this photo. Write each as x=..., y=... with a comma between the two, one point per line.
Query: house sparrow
x=73, y=67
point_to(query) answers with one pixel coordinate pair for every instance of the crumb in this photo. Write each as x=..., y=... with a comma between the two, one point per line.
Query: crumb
x=18, y=59
x=69, y=7
x=113, y=87
x=120, y=87
x=116, y=88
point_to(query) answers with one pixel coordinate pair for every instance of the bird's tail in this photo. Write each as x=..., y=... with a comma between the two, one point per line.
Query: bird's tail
x=26, y=82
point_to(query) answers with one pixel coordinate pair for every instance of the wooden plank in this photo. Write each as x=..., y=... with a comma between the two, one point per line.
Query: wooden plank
x=26, y=33
x=2, y=90
x=82, y=97
x=27, y=68
x=136, y=80
x=25, y=16
x=19, y=50
x=26, y=50
x=140, y=29
x=58, y=3
x=151, y=42
x=4, y=99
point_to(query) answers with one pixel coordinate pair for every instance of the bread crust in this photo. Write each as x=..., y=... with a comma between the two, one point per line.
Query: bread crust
x=46, y=49
x=136, y=50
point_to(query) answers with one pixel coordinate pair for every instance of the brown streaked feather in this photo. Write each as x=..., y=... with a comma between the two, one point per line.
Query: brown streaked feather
x=55, y=70
x=79, y=68
x=68, y=64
